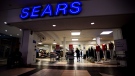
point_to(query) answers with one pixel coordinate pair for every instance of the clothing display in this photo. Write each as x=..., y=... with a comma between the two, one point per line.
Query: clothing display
x=104, y=49
x=111, y=47
x=98, y=52
x=97, y=48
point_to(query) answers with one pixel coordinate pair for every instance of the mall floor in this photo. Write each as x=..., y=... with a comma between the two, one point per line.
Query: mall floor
x=47, y=67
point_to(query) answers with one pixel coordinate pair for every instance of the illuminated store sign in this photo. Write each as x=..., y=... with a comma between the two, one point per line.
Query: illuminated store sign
x=63, y=8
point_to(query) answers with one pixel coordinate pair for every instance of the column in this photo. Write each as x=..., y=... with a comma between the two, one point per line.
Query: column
x=27, y=47
x=64, y=47
x=50, y=48
x=98, y=52
x=98, y=40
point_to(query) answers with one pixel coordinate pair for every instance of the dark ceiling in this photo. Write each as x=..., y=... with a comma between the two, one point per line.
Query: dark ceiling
x=101, y=22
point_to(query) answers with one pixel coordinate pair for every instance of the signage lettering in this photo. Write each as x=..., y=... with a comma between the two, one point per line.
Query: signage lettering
x=63, y=8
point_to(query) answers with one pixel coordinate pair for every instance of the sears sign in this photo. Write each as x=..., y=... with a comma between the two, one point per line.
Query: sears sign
x=61, y=8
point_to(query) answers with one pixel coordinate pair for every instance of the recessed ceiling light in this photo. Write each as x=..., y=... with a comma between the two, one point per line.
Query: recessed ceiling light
x=94, y=39
x=53, y=25
x=74, y=39
x=6, y=30
x=106, y=32
x=5, y=23
x=54, y=43
x=10, y=35
x=75, y=45
x=39, y=43
x=75, y=33
x=61, y=45
x=92, y=23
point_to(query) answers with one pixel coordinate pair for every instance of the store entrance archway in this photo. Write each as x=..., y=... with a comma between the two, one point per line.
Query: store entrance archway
x=44, y=29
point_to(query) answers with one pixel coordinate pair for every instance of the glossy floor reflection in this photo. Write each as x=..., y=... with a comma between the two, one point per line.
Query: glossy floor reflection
x=15, y=71
x=62, y=62
x=52, y=72
x=45, y=67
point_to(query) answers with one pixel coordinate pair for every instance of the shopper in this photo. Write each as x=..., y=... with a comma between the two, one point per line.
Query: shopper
x=78, y=54
x=87, y=54
x=81, y=53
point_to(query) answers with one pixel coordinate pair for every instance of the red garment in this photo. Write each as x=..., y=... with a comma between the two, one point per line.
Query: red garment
x=104, y=47
x=111, y=46
x=97, y=48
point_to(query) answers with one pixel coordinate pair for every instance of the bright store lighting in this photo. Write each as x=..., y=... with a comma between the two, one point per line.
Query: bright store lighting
x=94, y=39
x=54, y=43
x=54, y=25
x=39, y=43
x=75, y=45
x=6, y=30
x=106, y=32
x=74, y=39
x=92, y=23
x=75, y=33
x=61, y=45
x=5, y=23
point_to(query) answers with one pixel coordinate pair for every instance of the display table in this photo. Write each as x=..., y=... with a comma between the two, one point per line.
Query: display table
x=53, y=56
x=110, y=62
x=70, y=57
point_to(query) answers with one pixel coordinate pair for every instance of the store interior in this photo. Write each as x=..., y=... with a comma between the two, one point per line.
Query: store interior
x=58, y=31
x=51, y=45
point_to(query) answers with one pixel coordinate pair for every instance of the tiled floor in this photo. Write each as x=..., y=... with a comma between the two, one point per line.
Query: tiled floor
x=82, y=62
x=62, y=68
x=52, y=72
x=15, y=72
x=3, y=61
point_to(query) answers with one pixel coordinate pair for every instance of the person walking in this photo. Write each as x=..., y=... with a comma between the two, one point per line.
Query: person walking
x=81, y=53
x=78, y=54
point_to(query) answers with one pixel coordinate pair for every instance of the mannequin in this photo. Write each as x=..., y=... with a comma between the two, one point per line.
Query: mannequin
x=111, y=46
x=98, y=52
x=104, y=49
